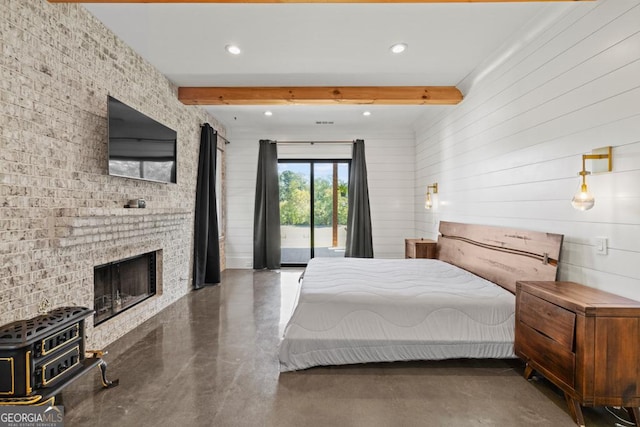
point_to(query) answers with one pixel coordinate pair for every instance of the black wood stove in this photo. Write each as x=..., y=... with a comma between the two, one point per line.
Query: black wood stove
x=40, y=356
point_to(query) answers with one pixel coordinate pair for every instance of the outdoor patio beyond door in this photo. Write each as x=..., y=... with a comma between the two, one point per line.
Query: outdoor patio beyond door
x=313, y=209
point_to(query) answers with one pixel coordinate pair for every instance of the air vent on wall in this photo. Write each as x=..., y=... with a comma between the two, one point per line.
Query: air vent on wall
x=324, y=123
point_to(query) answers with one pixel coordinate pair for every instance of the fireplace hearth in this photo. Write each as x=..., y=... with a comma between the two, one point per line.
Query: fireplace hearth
x=122, y=284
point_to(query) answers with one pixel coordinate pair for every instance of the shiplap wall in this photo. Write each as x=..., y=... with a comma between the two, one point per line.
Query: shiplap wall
x=510, y=153
x=390, y=161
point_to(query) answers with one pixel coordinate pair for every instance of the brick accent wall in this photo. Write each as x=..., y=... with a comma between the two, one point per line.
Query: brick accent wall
x=60, y=212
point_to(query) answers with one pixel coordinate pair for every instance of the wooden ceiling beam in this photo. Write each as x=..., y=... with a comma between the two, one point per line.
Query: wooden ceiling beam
x=314, y=95
x=308, y=1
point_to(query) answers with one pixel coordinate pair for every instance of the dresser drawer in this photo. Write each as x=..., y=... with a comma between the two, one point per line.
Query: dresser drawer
x=546, y=355
x=426, y=250
x=548, y=319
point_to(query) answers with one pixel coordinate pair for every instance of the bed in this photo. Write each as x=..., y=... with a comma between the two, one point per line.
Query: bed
x=460, y=305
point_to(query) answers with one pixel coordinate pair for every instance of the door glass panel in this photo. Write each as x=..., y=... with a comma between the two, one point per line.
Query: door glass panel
x=312, y=226
x=329, y=208
x=295, y=212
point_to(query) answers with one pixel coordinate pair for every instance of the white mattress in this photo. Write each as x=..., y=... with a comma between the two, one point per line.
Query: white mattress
x=354, y=310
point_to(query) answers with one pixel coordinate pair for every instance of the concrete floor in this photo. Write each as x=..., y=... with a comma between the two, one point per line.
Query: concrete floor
x=211, y=359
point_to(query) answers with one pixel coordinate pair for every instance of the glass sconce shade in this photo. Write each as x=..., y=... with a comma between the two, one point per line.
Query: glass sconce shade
x=428, y=203
x=583, y=200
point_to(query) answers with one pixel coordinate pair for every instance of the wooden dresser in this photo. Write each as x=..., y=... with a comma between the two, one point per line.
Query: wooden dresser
x=419, y=248
x=584, y=340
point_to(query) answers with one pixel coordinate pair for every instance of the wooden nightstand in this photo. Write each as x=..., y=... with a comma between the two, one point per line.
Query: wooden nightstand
x=419, y=248
x=585, y=341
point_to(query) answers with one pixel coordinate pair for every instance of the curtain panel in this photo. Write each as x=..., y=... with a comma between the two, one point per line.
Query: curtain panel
x=359, y=241
x=266, y=224
x=206, y=256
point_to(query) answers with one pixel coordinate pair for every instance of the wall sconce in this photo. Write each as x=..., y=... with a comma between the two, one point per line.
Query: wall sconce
x=583, y=200
x=428, y=202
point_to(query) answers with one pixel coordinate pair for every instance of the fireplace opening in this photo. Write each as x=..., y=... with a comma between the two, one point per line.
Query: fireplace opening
x=122, y=284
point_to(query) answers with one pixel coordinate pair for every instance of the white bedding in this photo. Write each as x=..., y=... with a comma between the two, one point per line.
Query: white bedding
x=354, y=310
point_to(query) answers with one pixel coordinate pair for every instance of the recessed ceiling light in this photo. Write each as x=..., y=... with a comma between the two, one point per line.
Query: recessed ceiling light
x=366, y=113
x=398, y=47
x=268, y=113
x=233, y=49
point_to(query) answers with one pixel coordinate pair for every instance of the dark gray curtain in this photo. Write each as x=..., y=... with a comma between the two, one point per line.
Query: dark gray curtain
x=359, y=241
x=206, y=256
x=266, y=223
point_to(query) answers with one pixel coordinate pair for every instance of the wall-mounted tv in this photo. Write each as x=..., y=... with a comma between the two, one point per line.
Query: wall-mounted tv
x=140, y=147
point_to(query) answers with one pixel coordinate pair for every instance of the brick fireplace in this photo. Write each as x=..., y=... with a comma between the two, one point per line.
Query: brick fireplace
x=61, y=213
x=111, y=238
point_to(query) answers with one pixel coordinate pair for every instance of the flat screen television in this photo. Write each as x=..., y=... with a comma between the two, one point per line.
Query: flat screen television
x=140, y=147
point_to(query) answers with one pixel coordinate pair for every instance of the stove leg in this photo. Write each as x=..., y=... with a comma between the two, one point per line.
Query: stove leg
x=103, y=376
x=97, y=354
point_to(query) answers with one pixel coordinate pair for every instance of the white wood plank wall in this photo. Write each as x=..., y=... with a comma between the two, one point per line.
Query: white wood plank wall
x=390, y=167
x=510, y=153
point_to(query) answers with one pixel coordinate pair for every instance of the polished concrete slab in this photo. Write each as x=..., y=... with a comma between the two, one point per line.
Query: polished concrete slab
x=211, y=359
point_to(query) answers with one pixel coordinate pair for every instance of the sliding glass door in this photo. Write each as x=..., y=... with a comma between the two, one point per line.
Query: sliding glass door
x=295, y=212
x=329, y=207
x=313, y=209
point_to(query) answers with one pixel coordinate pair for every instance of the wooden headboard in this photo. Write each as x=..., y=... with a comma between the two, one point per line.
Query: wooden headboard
x=500, y=255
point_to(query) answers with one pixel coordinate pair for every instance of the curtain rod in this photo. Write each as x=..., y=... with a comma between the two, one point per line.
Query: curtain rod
x=226, y=141
x=312, y=142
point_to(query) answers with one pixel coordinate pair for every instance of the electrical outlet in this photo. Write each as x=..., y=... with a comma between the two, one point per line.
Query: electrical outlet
x=601, y=245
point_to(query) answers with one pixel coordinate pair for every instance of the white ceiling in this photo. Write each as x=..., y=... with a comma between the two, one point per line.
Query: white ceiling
x=321, y=45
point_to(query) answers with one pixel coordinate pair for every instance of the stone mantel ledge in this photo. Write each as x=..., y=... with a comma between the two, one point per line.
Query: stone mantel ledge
x=90, y=225
x=101, y=212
